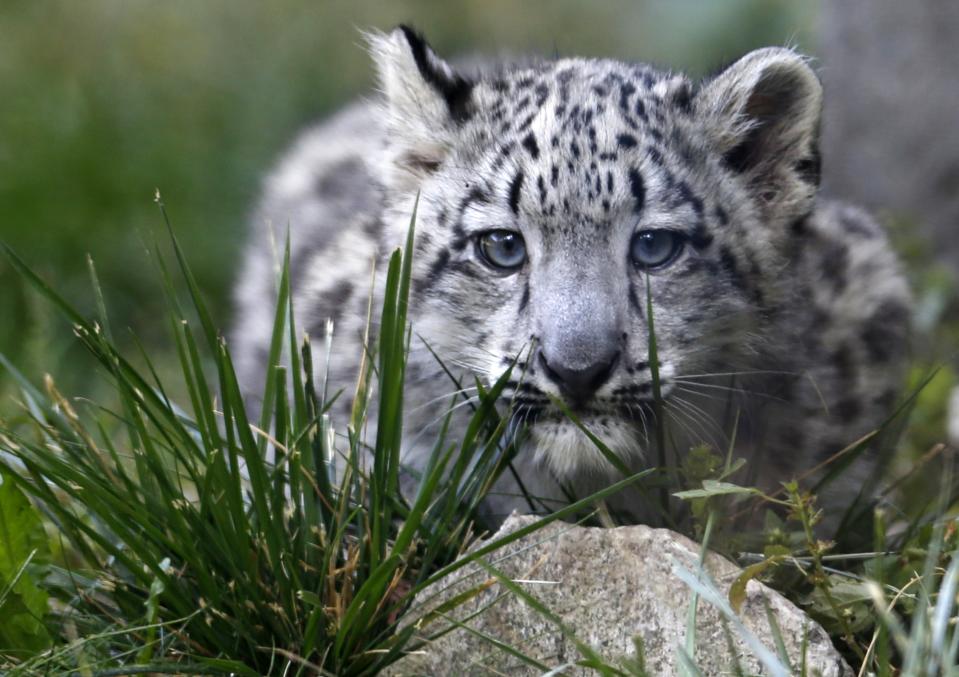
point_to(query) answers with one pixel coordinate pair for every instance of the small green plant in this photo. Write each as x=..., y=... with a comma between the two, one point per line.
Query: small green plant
x=23, y=550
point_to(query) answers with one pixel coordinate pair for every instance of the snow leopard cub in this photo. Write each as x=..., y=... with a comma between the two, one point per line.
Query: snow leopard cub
x=551, y=194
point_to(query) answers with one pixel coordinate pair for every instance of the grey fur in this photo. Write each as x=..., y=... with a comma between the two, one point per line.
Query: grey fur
x=802, y=300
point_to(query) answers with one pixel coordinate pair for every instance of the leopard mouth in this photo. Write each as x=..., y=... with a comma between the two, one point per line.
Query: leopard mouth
x=624, y=418
x=568, y=447
x=618, y=411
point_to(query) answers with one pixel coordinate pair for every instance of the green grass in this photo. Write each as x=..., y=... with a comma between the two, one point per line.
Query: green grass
x=169, y=534
x=201, y=540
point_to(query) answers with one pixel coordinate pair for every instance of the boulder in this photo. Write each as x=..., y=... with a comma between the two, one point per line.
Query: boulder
x=606, y=586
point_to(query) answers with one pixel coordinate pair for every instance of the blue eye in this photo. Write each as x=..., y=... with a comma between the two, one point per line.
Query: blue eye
x=655, y=248
x=503, y=249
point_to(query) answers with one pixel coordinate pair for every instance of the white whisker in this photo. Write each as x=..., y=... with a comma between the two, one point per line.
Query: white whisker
x=446, y=396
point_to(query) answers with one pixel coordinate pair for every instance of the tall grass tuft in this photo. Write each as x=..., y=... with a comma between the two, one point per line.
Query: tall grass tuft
x=199, y=540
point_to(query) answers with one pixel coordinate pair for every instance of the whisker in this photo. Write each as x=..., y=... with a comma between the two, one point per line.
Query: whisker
x=675, y=415
x=633, y=410
x=679, y=409
x=701, y=414
x=731, y=389
x=448, y=395
x=752, y=372
x=693, y=391
x=426, y=427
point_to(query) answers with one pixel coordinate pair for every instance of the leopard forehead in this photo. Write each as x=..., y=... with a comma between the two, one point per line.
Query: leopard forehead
x=577, y=149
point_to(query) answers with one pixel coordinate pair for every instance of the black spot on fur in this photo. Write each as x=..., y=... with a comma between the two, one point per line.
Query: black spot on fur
x=433, y=274
x=542, y=92
x=701, y=237
x=515, y=186
x=529, y=143
x=455, y=89
x=886, y=399
x=834, y=264
x=800, y=226
x=845, y=366
x=626, y=141
x=856, y=223
x=524, y=299
x=334, y=182
x=527, y=121
x=849, y=409
x=682, y=98
x=475, y=194
x=626, y=90
x=634, y=301
x=721, y=216
x=638, y=188
x=685, y=194
x=641, y=110
x=883, y=331
x=333, y=299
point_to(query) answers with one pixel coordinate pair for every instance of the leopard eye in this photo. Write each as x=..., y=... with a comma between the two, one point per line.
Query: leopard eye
x=655, y=248
x=503, y=249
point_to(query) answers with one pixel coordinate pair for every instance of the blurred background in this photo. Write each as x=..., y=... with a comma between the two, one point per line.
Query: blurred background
x=105, y=101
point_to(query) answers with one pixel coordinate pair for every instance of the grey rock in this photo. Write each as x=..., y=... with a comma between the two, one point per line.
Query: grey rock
x=608, y=586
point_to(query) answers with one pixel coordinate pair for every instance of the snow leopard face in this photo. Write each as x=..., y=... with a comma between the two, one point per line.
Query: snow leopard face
x=561, y=202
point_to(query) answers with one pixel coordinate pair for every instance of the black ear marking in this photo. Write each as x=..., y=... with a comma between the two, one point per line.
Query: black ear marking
x=782, y=125
x=682, y=97
x=809, y=169
x=453, y=87
x=742, y=156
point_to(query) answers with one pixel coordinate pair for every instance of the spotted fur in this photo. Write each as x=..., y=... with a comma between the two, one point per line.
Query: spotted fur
x=783, y=311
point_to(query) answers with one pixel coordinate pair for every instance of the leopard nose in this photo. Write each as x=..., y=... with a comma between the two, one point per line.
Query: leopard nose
x=578, y=385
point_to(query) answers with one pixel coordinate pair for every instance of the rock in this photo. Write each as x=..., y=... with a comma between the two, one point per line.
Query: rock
x=608, y=586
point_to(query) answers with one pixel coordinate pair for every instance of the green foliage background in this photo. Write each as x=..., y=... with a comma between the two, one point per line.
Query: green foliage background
x=103, y=101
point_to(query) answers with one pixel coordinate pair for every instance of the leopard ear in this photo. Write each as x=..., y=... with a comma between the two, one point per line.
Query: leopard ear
x=426, y=101
x=763, y=114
